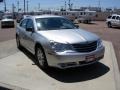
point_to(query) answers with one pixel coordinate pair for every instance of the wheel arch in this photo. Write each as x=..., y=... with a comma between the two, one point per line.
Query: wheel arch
x=109, y=22
x=16, y=34
x=38, y=45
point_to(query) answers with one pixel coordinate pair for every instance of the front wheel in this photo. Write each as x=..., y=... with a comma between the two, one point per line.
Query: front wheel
x=41, y=58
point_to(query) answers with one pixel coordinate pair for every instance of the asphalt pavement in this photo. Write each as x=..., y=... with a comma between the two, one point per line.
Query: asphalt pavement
x=18, y=69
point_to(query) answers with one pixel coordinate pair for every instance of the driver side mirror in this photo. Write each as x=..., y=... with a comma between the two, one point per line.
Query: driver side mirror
x=30, y=29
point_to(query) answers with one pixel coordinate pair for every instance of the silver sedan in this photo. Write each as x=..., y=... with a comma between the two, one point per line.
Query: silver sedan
x=57, y=42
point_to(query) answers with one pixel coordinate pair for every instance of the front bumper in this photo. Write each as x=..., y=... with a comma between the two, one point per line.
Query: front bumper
x=7, y=23
x=69, y=60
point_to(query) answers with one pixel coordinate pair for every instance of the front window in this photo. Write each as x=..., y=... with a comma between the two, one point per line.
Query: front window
x=54, y=24
x=30, y=24
x=109, y=17
x=23, y=23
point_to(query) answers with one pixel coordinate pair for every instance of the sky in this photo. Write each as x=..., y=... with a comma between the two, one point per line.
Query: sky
x=51, y=4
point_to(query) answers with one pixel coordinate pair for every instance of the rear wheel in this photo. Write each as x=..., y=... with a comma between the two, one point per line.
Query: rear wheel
x=79, y=21
x=2, y=26
x=41, y=58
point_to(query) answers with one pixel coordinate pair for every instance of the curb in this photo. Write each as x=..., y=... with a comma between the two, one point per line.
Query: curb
x=11, y=87
x=115, y=67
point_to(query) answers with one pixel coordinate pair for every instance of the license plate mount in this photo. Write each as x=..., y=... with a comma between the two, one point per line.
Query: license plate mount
x=90, y=58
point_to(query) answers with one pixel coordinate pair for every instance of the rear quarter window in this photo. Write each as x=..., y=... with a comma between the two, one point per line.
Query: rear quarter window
x=118, y=18
x=113, y=17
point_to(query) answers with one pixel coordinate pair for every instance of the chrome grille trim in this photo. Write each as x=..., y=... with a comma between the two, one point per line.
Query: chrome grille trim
x=85, y=47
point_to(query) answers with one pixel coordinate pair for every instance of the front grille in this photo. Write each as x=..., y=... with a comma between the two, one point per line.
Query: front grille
x=85, y=47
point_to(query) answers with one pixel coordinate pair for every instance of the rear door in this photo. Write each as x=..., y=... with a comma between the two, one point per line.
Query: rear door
x=113, y=20
x=118, y=20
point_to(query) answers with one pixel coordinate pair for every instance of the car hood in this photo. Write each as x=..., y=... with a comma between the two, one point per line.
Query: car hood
x=7, y=20
x=69, y=35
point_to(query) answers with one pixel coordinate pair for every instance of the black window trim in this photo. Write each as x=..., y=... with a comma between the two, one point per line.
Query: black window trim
x=32, y=22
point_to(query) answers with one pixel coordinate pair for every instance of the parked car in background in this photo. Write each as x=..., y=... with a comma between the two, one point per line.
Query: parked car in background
x=86, y=16
x=84, y=20
x=113, y=20
x=7, y=21
x=57, y=42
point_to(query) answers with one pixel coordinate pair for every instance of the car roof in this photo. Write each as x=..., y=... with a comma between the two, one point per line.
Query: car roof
x=115, y=15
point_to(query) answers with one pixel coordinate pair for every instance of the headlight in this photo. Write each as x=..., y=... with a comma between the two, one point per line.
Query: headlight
x=99, y=43
x=59, y=47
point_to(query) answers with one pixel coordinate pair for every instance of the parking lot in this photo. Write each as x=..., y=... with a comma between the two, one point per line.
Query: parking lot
x=109, y=34
x=7, y=34
x=98, y=27
x=20, y=71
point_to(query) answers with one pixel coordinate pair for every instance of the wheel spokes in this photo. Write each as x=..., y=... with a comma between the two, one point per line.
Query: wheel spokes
x=17, y=41
x=40, y=57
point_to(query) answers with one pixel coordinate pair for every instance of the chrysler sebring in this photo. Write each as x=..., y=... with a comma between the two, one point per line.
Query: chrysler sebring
x=57, y=42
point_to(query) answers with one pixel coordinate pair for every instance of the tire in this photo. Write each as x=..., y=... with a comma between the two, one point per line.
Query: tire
x=79, y=21
x=13, y=26
x=18, y=42
x=86, y=21
x=41, y=58
x=2, y=26
x=109, y=25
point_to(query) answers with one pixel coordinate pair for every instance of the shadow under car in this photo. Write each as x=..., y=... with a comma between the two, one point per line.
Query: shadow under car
x=72, y=75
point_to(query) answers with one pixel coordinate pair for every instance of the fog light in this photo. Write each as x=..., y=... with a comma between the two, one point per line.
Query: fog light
x=62, y=65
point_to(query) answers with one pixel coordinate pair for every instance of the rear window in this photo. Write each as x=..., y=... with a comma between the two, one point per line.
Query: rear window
x=118, y=18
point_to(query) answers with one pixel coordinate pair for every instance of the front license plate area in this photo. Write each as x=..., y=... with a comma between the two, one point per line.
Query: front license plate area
x=90, y=58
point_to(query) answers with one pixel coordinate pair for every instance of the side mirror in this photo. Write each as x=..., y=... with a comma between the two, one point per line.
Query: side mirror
x=30, y=29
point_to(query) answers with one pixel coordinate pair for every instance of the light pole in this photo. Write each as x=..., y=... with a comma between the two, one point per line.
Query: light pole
x=27, y=5
x=5, y=6
x=65, y=6
x=18, y=5
x=70, y=5
x=38, y=6
x=24, y=6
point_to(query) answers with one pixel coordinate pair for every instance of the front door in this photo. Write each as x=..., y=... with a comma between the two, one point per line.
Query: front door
x=30, y=35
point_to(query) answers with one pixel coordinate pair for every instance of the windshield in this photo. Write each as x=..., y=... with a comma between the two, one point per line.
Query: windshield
x=7, y=17
x=54, y=24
